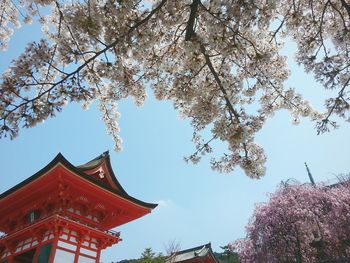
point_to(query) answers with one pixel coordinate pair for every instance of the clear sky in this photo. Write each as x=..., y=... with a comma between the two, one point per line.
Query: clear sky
x=196, y=205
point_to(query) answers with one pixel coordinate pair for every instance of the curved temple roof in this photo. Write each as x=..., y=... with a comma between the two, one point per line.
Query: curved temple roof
x=102, y=161
x=192, y=255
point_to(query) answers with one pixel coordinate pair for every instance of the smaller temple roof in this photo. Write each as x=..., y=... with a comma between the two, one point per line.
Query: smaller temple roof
x=195, y=254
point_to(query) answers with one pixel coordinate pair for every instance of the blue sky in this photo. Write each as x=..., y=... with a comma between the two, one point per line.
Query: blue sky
x=196, y=205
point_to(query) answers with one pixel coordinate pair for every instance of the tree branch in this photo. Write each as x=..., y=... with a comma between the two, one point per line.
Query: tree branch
x=346, y=6
x=218, y=81
x=190, y=23
x=85, y=64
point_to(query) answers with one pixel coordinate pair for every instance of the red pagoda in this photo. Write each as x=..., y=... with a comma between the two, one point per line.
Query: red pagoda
x=65, y=213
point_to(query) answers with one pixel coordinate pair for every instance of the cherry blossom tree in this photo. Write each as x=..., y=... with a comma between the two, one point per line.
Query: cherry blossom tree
x=218, y=61
x=299, y=223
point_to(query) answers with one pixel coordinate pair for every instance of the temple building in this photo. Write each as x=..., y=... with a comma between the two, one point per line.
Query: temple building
x=65, y=213
x=200, y=254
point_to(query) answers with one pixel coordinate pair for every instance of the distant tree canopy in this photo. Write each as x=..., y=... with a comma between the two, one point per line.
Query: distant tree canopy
x=300, y=223
x=127, y=261
x=148, y=256
x=218, y=61
x=227, y=256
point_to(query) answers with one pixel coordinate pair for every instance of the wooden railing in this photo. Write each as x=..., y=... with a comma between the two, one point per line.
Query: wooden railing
x=61, y=214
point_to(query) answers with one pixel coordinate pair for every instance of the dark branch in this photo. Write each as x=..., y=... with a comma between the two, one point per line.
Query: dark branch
x=218, y=81
x=346, y=6
x=85, y=64
x=190, y=23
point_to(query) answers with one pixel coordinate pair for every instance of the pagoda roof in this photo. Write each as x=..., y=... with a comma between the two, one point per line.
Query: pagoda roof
x=195, y=254
x=82, y=171
x=97, y=163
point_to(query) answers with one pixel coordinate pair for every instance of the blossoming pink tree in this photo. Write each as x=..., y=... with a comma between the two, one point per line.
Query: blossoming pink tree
x=299, y=223
x=218, y=61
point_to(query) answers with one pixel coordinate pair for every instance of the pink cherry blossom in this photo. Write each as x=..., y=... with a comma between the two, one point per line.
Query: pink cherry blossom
x=299, y=223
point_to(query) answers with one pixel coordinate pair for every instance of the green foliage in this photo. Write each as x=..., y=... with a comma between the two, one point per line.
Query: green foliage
x=148, y=256
x=226, y=256
x=128, y=261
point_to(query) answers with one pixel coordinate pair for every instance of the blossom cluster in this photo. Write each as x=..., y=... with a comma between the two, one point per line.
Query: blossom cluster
x=218, y=61
x=299, y=223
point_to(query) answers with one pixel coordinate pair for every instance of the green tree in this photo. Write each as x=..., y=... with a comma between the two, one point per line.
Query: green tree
x=148, y=256
x=227, y=256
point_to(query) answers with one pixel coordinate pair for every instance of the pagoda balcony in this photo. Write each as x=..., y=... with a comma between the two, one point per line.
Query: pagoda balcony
x=56, y=223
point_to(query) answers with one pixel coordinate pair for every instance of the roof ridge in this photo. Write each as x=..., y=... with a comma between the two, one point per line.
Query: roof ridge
x=101, y=157
x=208, y=245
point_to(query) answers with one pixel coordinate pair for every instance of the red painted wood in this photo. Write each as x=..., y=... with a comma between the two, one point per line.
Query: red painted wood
x=61, y=199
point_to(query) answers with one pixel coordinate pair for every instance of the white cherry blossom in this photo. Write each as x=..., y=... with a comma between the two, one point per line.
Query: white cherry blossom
x=218, y=61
